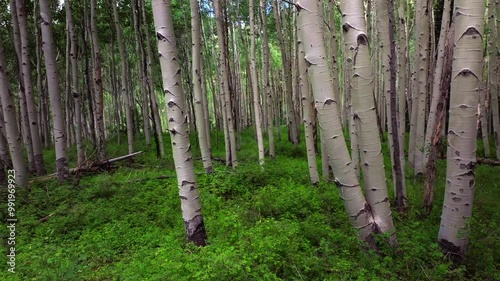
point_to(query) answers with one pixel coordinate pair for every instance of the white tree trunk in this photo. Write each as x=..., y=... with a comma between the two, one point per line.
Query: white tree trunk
x=255, y=85
x=206, y=158
x=329, y=120
x=365, y=118
x=10, y=118
x=49, y=49
x=177, y=126
x=462, y=127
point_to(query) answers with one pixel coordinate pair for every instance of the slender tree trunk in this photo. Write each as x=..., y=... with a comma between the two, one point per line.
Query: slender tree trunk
x=359, y=211
x=28, y=89
x=206, y=158
x=224, y=74
x=436, y=93
x=494, y=71
x=151, y=87
x=124, y=78
x=398, y=156
x=287, y=72
x=10, y=118
x=255, y=85
x=402, y=78
x=266, y=83
x=462, y=128
x=99, y=103
x=188, y=189
x=53, y=86
x=423, y=73
x=307, y=108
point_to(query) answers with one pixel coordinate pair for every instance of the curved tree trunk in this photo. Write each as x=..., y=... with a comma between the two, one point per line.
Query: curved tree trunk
x=462, y=128
x=188, y=189
x=365, y=118
x=359, y=211
x=53, y=87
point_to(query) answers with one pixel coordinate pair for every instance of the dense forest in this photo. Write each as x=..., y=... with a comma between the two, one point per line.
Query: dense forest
x=250, y=139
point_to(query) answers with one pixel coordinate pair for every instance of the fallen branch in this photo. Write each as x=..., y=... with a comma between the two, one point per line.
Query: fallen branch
x=92, y=168
x=485, y=161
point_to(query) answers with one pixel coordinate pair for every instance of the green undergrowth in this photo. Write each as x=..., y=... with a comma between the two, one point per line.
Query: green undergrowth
x=262, y=224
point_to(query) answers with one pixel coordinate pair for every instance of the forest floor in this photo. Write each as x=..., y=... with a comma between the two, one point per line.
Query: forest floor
x=266, y=224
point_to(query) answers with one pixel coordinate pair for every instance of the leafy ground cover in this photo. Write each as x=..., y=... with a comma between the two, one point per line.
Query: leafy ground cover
x=263, y=224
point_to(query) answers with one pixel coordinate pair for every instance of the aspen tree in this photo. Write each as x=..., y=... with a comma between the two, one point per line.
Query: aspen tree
x=13, y=135
x=255, y=85
x=359, y=212
x=365, y=118
x=494, y=71
x=462, y=127
x=206, y=158
x=177, y=123
x=48, y=46
x=28, y=88
x=306, y=107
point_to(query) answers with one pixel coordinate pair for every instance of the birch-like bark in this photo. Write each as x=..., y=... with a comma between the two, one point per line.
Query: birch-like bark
x=10, y=118
x=99, y=102
x=28, y=88
x=462, y=128
x=423, y=85
x=402, y=77
x=255, y=85
x=266, y=83
x=436, y=93
x=359, y=211
x=124, y=78
x=177, y=126
x=293, y=136
x=206, y=158
x=151, y=88
x=307, y=108
x=494, y=71
x=365, y=118
x=49, y=49
x=224, y=75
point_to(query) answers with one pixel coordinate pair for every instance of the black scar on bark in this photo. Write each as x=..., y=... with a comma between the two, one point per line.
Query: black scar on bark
x=454, y=252
x=195, y=231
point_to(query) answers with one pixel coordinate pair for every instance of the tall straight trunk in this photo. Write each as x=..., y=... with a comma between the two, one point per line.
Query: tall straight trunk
x=141, y=62
x=402, y=76
x=293, y=136
x=265, y=76
x=25, y=128
x=124, y=78
x=74, y=84
x=359, y=211
x=334, y=52
x=206, y=158
x=423, y=85
x=88, y=74
x=99, y=103
x=28, y=88
x=494, y=71
x=365, y=119
x=462, y=128
x=10, y=118
x=53, y=87
x=255, y=85
x=438, y=71
x=398, y=153
x=181, y=148
x=307, y=108
x=224, y=74
x=151, y=87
